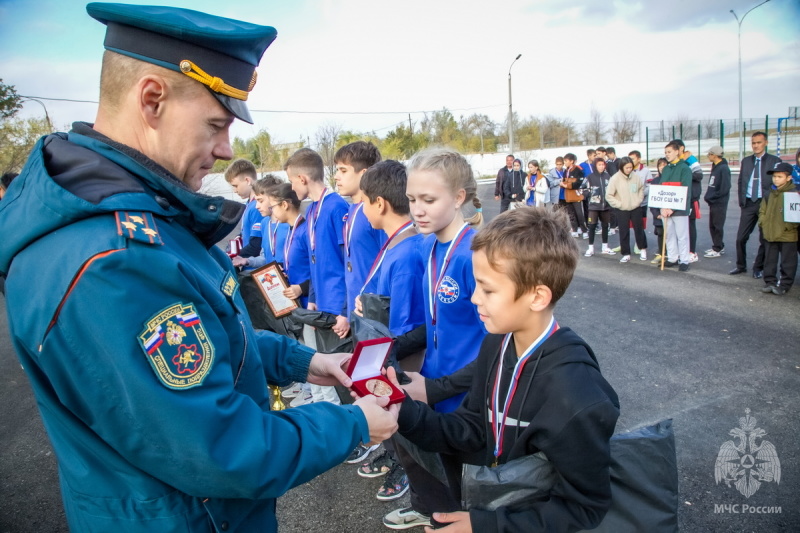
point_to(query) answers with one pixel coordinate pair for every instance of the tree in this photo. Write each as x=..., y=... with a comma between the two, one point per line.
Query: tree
x=477, y=133
x=626, y=126
x=595, y=131
x=17, y=137
x=326, y=137
x=556, y=131
x=401, y=143
x=709, y=128
x=10, y=101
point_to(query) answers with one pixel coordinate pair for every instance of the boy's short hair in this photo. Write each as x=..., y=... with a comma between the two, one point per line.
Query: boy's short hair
x=359, y=154
x=637, y=153
x=675, y=144
x=269, y=180
x=599, y=160
x=559, y=159
x=388, y=180
x=590, y=152
x=308, y=162
x=759, y=133
x=600, y=149
x=241, y=167
x=571, y=157
x=610, y=150
x=537, y=246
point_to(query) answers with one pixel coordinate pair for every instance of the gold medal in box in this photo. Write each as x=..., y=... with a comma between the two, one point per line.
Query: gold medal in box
x=365, y=367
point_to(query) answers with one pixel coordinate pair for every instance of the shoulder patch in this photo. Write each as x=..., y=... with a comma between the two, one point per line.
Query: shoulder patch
x=177, y=346
x=229, y=285
x=138, y=226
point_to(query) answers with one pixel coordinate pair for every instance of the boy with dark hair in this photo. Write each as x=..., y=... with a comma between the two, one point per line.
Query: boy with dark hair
x=395, y=273
x=554, y=177
x=612, y=166
x=541, y=383
x=695, y=192
x=588, y=165
x=717, y=196
x=325, y=219
x=573, y=195
x=780, y=237
x=600, y=151
x=241, y=174
x=676, y=222
x=361, y=241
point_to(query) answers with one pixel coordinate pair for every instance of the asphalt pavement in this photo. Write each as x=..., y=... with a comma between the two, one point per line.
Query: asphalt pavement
x=700, y=347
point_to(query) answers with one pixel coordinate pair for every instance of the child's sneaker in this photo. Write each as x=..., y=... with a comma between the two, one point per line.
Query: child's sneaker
x=574, y=233
x=712, y=253
x=395, y=486
x=643, y=255
x=302, y=399
x=378, y=466
x=683, y=267
x=636, y=249
x=292, y=391
x=608, y=251
x=693, y=257
x=625, y=259
x=359, y=453
x=612, y=231
x=405, y=518
x=585, y=234
x=589, y=251
x=617, y=250
x=656, y=260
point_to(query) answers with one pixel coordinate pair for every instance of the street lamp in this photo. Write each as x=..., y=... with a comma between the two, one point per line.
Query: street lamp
x=46, y=116
x=510, y=111
x=741, y=128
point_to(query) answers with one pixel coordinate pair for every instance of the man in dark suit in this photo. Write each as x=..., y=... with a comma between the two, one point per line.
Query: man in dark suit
x=754, y=184
x=502, y=174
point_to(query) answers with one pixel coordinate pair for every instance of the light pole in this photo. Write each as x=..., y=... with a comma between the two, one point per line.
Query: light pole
x=510, y=110
x=741, y=129
x=46, y=116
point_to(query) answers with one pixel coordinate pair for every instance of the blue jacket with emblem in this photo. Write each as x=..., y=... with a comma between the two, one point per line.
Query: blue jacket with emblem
x=150, y=379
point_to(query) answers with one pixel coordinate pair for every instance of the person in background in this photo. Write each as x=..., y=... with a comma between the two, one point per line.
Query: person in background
x=625, y=194
x=555, y=177
x=676, y=221
x=573, y=195
x=502, y=175
x=658, y=222
x=780, y=236
x=599, y=210
x=717, y=195
x=514, y=185
x=539, y=186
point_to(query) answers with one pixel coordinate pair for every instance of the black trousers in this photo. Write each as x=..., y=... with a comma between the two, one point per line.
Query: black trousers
x=428, y=493
x=692, y=230
x=658, y=231
x=625, y=220
x=504, y=203
x=747, y=223
x=786, y=253
x=576, y=216
x=604, y=217
x=716, y=223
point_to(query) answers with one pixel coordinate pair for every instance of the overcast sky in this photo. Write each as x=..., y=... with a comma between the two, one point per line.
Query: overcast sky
x=660, y=59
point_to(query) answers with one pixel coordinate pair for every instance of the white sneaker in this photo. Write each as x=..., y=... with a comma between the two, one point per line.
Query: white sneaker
x=301, y=399
x=293, y=390
x=589, y=251
x=574, y=233
x=643, y=255
x=608, y=251
x=405, y=518
x=612, y=231
x=712, y=253
x=625, y=259
x=586, y=235
x=636, y=249
x=693, y=258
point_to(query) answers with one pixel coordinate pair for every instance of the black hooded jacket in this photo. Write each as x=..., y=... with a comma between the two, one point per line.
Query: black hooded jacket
x=567, y=410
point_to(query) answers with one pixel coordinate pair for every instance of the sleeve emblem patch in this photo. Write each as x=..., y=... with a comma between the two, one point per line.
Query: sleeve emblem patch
x=177, y=346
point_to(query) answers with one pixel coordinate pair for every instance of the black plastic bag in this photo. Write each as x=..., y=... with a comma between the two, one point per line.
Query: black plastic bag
x=322, y=322
x=261, y=315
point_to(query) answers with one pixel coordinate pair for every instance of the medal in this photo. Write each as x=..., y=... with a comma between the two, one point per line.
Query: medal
x=498, y=418
x=349, y=267
x=382, y=253
x=288, y=244
x=313, y=215
x=433, y=290
x=313, y=258
x=349, y=225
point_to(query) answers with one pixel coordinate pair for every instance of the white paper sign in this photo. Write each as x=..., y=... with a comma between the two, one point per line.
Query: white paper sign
x=667, y=196
x=791, y=207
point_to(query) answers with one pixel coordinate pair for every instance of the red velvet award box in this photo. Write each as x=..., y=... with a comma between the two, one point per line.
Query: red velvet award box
x=365, y=370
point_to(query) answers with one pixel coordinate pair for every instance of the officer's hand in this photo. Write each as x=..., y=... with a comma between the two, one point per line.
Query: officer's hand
x=382, y=421
x=342, y=326
x=328, y=369
x=415, y=389
x=459, y=522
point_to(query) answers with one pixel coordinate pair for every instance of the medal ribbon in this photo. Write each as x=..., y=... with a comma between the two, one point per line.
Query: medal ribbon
x=288, y=244
x=499, y=420
x=440, y=274
x=382, y=253
x=272, y=229
x=313, y=216
x=349, y=225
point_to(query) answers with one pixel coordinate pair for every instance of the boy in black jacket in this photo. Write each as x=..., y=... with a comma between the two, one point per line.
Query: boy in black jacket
x=523, y=263
x=717, y=196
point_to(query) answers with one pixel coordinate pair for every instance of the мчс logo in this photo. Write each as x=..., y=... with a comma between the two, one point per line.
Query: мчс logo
x=748, y=460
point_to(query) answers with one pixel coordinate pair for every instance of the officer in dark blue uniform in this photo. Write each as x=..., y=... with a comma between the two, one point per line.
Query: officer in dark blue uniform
x=150, y=379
